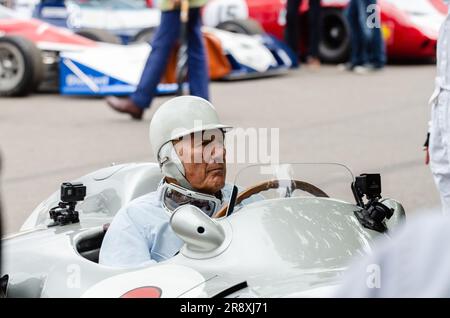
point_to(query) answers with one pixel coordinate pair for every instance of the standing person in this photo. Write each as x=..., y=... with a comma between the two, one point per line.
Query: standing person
x=376, y=46
x=367, y=45
x=163, y=42
x=292, y=29
x=439, y=131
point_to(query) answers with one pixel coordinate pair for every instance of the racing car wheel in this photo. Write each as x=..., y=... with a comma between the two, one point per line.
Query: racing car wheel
x=21, y=66
x=275, y=184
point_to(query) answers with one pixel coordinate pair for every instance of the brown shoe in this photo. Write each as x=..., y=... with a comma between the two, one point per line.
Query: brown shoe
x=125, y=105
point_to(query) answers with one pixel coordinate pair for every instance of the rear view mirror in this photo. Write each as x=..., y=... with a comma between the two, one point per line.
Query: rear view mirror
x=204, y=237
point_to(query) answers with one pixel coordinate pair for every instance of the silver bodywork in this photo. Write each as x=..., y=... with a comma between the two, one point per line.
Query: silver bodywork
x=281, y=247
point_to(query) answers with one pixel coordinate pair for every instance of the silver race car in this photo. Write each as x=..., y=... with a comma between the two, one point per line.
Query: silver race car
x=294, y=239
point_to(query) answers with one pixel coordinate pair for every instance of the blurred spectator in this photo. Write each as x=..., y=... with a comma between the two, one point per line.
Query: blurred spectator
x=367, y=46
x=292, y=29
x=163, y=42
x=414, y=263
x=439, y=133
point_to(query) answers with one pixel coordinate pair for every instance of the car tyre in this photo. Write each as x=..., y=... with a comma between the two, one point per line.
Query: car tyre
x=99, y=35
x=21, y=66
x=242, y=26
x=145, y=35
x=334, y=45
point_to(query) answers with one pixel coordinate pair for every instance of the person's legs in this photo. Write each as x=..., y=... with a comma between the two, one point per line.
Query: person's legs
x=352, y=14
x=439, y=148
x=291, y=32
x=162, y=44
x=197, y=60
x=314, y=20
x=364, y=33
x=377, y=56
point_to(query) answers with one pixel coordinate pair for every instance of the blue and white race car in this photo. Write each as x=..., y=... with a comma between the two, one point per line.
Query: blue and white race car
x=36, y=53
x=112, y=21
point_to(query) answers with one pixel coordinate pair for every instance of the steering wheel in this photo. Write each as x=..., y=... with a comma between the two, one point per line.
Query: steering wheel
x=275, y=184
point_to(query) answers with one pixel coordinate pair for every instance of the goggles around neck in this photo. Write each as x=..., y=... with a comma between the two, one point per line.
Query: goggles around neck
x=174, y=196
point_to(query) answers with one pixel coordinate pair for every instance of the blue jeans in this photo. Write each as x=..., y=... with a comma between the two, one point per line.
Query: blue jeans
x=163, y=42
x=291, y=31
x=376, y=46
x=367, y=45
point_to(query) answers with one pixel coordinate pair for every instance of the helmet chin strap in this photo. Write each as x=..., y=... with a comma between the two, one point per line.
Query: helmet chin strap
x=171, y=165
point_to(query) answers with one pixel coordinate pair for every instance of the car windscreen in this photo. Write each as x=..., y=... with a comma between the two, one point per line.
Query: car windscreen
x=272, y=181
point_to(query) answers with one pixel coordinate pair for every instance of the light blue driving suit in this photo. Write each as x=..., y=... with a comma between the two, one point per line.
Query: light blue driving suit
x=140, y=233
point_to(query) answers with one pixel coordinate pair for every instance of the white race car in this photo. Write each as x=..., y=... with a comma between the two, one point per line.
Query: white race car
x=295, y=240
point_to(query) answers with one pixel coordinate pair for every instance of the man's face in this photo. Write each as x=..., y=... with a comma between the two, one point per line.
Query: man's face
x=203, y=158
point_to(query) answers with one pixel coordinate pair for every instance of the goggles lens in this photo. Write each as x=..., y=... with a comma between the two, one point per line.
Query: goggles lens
x=174, y=197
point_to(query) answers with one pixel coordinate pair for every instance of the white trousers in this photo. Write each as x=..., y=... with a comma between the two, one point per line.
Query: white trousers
x=439, y=146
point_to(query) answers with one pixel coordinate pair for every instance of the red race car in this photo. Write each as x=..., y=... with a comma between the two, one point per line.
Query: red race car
x=410, y=27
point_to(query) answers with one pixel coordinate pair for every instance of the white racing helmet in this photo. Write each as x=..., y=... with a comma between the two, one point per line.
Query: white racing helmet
x=177, y=118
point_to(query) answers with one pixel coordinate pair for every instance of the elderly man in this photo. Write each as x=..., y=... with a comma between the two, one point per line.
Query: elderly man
x=188, y=141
